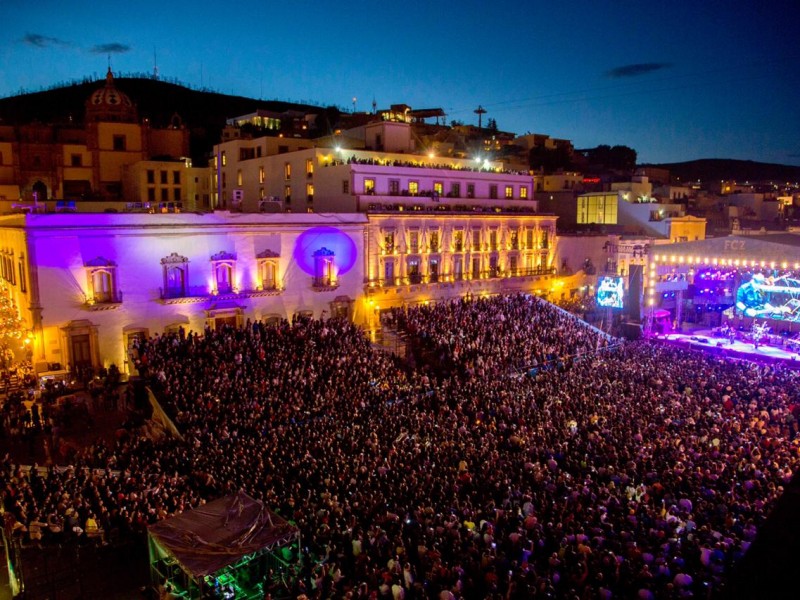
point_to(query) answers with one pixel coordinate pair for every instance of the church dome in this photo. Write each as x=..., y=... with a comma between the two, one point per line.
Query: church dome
x=109, y=104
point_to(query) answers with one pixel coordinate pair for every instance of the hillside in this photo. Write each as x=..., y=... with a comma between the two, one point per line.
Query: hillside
x=203, y=112
x=711, y=169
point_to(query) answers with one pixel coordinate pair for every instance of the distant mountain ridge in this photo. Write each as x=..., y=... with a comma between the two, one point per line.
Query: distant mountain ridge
x=203, y=112
x=711, y=169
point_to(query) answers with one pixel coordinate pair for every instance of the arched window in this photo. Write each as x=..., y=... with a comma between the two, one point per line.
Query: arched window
x=176, y=276
x=223, y=267
x=324, y=268
x=101, y=282
x=268, y=262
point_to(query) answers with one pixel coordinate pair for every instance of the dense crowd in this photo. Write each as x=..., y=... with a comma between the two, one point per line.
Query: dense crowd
x=354, y=160
x=544, y=461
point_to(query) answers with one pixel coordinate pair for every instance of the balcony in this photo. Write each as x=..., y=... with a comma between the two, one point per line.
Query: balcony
x=421, y=202
x=465, y=279
x=104, y=301
x=198, y=294
x=322, y=284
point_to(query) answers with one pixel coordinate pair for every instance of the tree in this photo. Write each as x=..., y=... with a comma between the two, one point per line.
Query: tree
x=549, y=160
x=618, y=157
x=10, y=321
x=491, y=125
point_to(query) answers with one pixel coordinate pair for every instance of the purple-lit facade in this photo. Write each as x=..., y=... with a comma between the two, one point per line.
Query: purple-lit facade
x=88, y=285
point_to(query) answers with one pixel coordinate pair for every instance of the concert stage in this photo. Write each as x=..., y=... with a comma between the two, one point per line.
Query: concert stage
x=721, y=346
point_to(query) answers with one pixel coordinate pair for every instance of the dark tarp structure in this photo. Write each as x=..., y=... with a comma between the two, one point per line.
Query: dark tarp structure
x=234, y=541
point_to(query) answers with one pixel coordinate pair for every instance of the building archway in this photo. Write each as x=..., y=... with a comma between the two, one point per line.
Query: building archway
x=39, y=191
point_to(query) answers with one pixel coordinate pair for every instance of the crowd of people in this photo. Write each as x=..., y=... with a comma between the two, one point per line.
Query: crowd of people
x=532, y=457
x=354, y=160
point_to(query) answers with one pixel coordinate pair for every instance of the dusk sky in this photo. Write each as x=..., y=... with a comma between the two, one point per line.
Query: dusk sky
x=675, y=80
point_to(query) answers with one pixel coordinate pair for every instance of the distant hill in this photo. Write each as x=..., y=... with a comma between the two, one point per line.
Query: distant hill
x=711, y=169
x=203, y=112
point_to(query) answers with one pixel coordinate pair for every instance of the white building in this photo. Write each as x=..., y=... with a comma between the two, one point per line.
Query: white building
x=88, y=284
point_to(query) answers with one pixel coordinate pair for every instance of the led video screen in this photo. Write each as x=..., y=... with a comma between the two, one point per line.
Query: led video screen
x=610, y=292
x=769, y=297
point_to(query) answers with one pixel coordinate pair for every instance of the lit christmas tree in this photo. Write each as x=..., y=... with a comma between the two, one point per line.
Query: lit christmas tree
x=11, y=327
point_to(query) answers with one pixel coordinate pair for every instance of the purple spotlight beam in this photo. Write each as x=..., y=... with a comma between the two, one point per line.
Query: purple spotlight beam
x=311, y=240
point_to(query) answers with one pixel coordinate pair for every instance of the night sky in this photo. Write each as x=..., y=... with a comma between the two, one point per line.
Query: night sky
x=675, y=80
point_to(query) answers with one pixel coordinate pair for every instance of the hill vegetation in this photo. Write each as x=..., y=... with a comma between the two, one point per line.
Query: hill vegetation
x=716, y=169
x=203, y=112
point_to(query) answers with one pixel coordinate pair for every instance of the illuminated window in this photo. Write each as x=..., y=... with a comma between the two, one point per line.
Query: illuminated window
x=413, y=241
x=514, y=239
x=458, y=241
x=101, y=279
x=369, y=186
x=414, y=274
x=438, y=188
x=223, y=267
x=458, y=268
x=309, y=192
x=324, y=268
x=388, y=242
x=239, y=177
x=309, y=167
x=433, y=241
x=268, y=262
x=260, y=174
x=476, y=267
x=509, y=191
x=529, y=239
x=413, y=188
x=176, y=276
x=433, y=270
x=287, y=170
x=224, y=159
x=388, y=272
x=23, y=282
x=523, y=192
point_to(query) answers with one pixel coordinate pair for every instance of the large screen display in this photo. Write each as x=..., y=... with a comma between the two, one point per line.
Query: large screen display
x=769, y=297
x=610, y=292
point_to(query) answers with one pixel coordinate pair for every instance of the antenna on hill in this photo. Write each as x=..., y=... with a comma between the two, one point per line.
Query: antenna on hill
x=480, y=111
x=354, y=104
x=201, y=76
x=374, y=106
x=155, y=64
